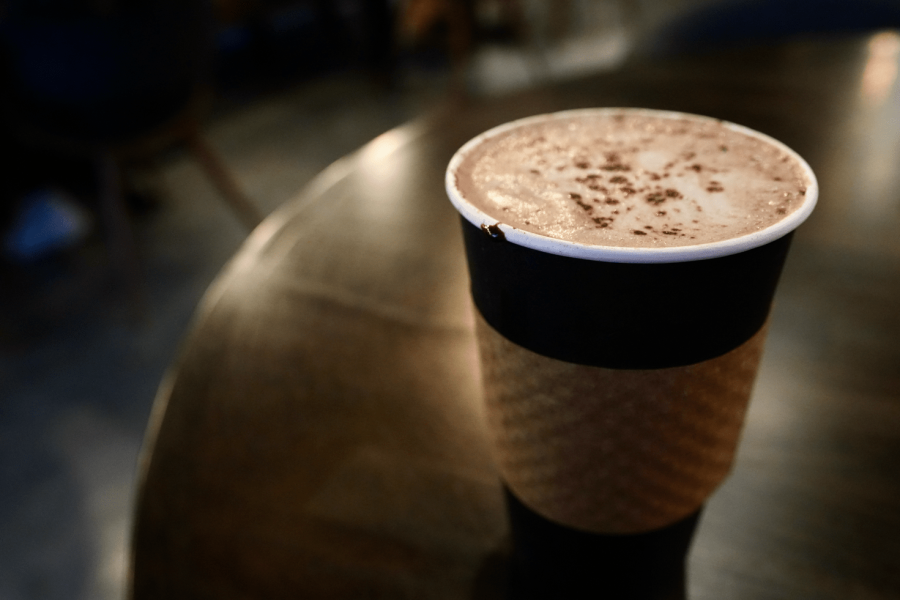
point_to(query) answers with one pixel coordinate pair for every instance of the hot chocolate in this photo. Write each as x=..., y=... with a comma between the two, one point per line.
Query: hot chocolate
x=631, y=178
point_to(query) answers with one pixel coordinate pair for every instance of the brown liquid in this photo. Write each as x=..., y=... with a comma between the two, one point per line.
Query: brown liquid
x=632, y=179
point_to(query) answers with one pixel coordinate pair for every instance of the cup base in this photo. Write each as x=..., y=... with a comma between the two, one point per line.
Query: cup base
x=550, y=560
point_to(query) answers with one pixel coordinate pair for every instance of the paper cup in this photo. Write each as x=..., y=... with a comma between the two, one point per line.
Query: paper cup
x=616, y=379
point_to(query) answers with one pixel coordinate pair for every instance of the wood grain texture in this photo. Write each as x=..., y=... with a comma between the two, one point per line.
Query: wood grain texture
x=321, y=434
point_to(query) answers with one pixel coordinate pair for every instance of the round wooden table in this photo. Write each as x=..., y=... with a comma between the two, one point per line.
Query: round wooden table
x=321, y=434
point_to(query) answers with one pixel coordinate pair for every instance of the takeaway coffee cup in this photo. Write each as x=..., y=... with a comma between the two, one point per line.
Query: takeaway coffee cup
x=623, y=263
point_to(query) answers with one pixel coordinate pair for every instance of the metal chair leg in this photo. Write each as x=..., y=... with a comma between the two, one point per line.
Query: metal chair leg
x=119, y=231
x=221, y=178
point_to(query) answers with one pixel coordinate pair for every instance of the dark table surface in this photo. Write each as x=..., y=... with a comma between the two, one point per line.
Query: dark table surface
x=321, y=436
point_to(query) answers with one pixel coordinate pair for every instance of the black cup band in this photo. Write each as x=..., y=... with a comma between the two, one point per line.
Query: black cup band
x=622, y=316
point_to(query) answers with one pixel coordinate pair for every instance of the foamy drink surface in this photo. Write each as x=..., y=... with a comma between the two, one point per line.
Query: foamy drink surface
x=630, y=178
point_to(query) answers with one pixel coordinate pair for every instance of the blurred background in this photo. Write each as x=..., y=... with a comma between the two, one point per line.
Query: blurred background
x=143, y=139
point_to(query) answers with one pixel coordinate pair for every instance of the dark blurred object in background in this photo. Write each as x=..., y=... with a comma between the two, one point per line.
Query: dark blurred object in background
x=268, y=44
x=104, y=70
x=729, y=23
x=95, y=90
x=107, y=84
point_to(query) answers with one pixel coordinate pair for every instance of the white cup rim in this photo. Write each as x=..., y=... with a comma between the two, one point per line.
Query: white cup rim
x=623, y=254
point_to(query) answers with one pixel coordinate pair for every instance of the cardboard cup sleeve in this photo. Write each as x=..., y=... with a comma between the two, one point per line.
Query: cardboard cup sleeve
x=613, y=450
